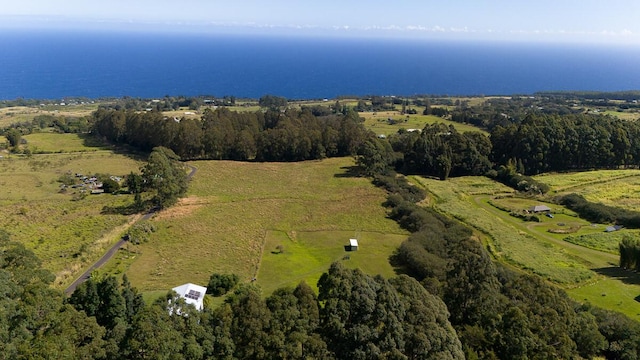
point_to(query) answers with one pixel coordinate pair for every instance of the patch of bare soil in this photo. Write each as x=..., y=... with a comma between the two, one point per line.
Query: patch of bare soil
x=184, y=207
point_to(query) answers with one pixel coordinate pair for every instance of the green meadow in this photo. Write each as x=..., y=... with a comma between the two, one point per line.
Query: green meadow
x=237, y=213
x=378, y=122
x=571, y=252
x=65, y=228
x=288, y=259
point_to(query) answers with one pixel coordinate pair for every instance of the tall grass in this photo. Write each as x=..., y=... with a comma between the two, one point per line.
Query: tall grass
x=224, y=223
x=508, y=243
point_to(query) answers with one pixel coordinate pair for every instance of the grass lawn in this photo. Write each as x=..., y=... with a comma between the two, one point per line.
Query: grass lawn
x=307, y=255
x=233, y=207
x=378, y=122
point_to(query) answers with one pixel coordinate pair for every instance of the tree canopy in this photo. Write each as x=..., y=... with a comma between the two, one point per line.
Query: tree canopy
x=165, y=175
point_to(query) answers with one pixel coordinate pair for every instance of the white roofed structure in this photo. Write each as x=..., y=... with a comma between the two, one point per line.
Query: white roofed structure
x=353, y=243
x=192, y=294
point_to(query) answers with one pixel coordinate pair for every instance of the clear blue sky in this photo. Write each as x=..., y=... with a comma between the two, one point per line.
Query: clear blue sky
x=613, y=21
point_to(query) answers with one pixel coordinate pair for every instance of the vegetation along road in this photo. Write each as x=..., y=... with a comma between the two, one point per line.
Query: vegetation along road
x=109, y=254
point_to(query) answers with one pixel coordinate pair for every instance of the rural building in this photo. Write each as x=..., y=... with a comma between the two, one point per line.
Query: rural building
x=539, y=208
x=613, y=228
x=192, y=294
x=353, y=244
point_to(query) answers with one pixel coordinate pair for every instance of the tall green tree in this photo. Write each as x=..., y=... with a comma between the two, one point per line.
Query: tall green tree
x=166, y=176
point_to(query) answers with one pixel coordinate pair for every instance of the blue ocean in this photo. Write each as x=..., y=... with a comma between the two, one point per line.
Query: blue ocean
x=57, y=64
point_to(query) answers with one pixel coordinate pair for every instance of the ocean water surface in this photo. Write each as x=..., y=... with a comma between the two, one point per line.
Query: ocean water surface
x=60, y=64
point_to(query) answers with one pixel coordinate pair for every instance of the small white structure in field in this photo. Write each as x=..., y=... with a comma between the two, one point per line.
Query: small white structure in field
x=192, y=294
x=353, y=244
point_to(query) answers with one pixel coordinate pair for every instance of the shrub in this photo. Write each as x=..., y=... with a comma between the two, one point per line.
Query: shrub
x=220, y=284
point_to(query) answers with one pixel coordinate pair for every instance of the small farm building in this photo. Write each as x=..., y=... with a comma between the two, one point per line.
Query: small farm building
x=353, y=244
x=192, y=294
x=613, y=228
x=539, y=208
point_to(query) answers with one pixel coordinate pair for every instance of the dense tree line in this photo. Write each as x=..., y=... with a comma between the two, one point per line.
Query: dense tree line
x=554, y=143
x=497, y=312
x=600, y=213
x=292, y=135
x=438, y=150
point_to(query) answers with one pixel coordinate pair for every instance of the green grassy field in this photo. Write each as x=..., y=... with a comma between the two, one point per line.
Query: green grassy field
x=577, y=264
x=601, y=240
x=619, y=188
x=67, y=231
x=378, y=122
x=233, y=207
x=306, y=254
x=624, y=115
x=47, y=142
x=21, y=114
x=515, y=245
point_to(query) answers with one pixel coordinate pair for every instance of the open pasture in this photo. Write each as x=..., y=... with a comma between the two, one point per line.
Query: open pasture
x=601, y=240
x=617, y=291
x=513, y=244
x=623, y=115
x=583, y=262
x=47, y=142
x=291, y=258
x=21, y=114
x=379, y=123
x=571, y=182
x=65, y=229
x=233, y=207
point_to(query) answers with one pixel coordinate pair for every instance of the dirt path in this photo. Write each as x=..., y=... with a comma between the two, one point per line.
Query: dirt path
x=112, y=251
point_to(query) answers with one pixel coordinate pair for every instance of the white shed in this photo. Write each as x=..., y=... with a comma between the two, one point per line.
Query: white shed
x=353, y=244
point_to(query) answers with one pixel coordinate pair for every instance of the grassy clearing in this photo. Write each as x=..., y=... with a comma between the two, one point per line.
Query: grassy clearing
x=47, y=142
x=567, y=182
x=65, y=230
x=620, y=188
x=623, y=115
x=232, y=207
x=21, y=114
x=587, y=274
x=603, y=241
x=378, y=122
x=306, y=255
x=617, y=291
x=508, y=242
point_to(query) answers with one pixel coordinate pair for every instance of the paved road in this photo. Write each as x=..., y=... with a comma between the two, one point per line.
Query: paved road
x=109, y=254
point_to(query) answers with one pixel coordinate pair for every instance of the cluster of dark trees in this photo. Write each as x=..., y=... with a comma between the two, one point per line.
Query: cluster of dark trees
x=511, y=174
x=496, y=311
x=271, y=135
x=354, y=316
x=554, y=143
x=438, y=150
x=630, y=253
